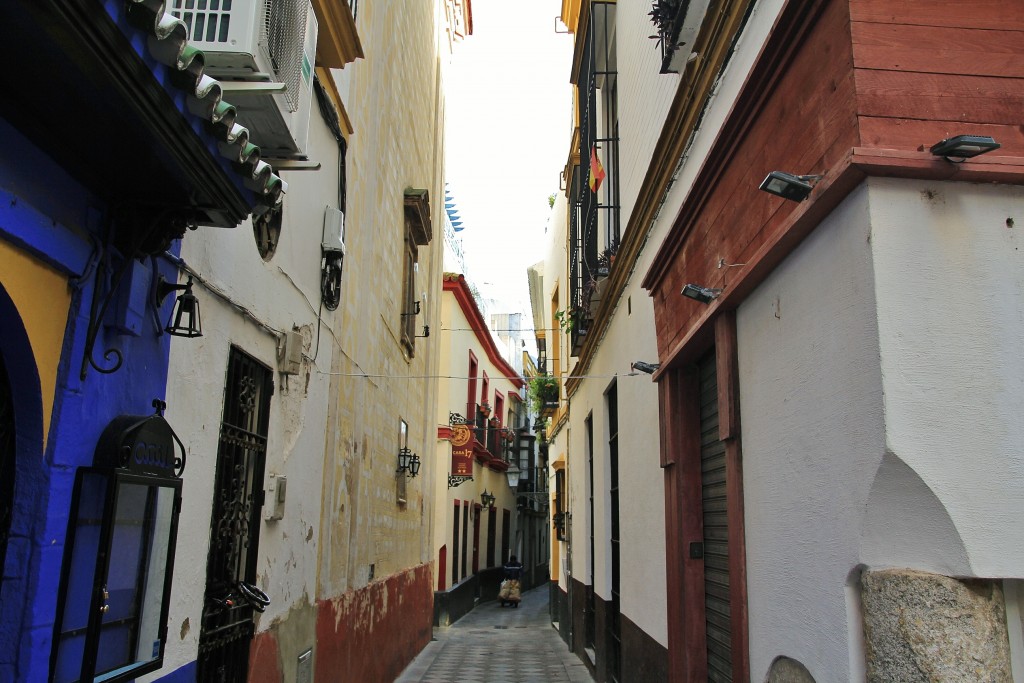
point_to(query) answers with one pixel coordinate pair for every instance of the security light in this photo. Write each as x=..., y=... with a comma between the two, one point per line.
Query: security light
x=649, y=368
x=789, y=186
x=963, y=147
x=705, y=295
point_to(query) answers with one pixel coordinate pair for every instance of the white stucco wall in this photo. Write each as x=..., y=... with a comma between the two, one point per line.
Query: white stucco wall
x=950, y=289
x=880, y=391
x=812, y=434
x=645, y=97
x=279, y=293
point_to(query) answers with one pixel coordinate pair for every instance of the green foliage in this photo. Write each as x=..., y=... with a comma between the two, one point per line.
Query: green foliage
x=566, y=320
x=551, y=200
x=542, y=389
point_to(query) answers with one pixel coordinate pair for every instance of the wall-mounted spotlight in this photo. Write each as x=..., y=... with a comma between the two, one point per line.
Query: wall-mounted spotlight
x=649, y=368
x=184, y=320
x=408, y=462
x=705, y=295
x=789, y=186
x=963, y=147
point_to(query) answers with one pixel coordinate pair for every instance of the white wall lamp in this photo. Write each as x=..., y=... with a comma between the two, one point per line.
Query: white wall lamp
x=961, y=147
x=705, y=295
x=789, y=186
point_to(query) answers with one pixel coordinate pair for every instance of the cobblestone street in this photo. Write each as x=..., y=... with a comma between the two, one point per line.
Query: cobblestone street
x=495, y=644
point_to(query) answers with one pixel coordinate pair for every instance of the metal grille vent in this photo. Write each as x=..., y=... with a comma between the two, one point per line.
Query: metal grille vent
x=283, y=37
x=206, y=20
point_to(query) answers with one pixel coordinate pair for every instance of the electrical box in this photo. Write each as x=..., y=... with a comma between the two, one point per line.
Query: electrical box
x=277, y=491
x=334, y=231
x=291, y=357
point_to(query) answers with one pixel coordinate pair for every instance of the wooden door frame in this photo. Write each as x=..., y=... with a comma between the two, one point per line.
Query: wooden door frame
x=680, y=458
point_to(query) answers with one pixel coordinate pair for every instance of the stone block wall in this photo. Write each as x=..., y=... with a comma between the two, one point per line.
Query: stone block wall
x=928, y=627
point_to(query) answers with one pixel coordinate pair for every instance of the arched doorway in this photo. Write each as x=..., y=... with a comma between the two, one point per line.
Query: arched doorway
x=6, y=460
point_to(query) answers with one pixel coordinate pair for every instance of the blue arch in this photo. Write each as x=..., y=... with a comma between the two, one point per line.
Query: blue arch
x=30, y=488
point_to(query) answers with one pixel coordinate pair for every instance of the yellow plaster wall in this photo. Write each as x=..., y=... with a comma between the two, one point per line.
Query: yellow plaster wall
x=41, y=295
x=395, y=105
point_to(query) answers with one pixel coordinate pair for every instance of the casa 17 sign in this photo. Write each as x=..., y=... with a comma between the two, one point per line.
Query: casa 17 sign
x=462, y=450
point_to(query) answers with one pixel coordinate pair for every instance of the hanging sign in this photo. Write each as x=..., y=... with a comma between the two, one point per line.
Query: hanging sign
x=462, y=450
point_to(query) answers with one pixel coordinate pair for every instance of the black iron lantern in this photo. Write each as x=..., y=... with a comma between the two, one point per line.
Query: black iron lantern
x=487, y=499
x=184, y=320
x=405, y=457
x=119, y=559
x=414, y=465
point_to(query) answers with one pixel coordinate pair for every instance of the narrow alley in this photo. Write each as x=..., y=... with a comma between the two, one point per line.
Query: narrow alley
x=499, y=645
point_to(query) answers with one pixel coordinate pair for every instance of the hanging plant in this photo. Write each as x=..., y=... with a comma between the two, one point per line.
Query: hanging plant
x=663, y=15
x=543, y=389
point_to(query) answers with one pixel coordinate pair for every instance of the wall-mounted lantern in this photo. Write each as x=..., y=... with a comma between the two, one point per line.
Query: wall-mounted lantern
x=119, y=558
x=184, y=320
x=408, y=462
x=487, y=499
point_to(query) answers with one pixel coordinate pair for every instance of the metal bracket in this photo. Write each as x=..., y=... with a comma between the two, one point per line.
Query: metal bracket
x=457, y=480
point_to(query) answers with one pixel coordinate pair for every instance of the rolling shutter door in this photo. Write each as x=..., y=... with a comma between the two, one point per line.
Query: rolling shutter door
x=716, y=536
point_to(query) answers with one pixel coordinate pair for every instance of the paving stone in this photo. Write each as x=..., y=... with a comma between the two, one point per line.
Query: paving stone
x=499, y=645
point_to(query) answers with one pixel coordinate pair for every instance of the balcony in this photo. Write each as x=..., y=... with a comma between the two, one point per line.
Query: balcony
x=490, y=439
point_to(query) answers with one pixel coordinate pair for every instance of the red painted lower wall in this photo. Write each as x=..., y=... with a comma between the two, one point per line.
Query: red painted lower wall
x=372, y=634
x=264, y=659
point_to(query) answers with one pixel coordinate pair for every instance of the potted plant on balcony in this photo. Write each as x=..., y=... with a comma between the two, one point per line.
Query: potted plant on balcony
x=485, y=409
x=543, y=393
x=606, y=258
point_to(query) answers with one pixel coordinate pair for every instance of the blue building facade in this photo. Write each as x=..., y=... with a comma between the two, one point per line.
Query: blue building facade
x=113, y=145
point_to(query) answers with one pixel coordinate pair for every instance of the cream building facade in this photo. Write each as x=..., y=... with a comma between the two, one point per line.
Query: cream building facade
x=343, y=344
x=481, y=432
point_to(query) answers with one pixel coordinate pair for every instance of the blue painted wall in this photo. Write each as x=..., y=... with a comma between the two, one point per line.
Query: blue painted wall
x=47, y=214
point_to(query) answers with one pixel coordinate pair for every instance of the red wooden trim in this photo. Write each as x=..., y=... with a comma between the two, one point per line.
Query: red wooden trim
x=938, y=49
x=673, y=534
x=784, y=43
x=683, y=525
x=782, y=240
x=444, y=432
x=665, y=394
x=727, y=368
x=987, y=14
x=474, y=368
x=458, y=286
x=737, y=561
x=499, y=407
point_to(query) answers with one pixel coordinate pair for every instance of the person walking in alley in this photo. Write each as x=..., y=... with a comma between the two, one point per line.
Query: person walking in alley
x=509, y=593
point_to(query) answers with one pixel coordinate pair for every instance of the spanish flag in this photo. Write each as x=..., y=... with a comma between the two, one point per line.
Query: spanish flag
x=596, y=170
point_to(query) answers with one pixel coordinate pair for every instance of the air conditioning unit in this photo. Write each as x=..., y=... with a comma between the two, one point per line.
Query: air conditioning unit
x=262, y=52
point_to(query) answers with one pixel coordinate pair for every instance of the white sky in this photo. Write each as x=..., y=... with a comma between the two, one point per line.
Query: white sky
x=508, y=105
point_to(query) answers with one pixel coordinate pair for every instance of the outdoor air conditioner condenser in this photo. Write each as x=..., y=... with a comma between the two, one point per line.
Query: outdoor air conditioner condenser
x=262, y=52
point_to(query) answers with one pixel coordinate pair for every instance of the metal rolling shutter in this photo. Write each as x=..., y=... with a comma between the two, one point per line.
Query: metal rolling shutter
x=716, y=536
